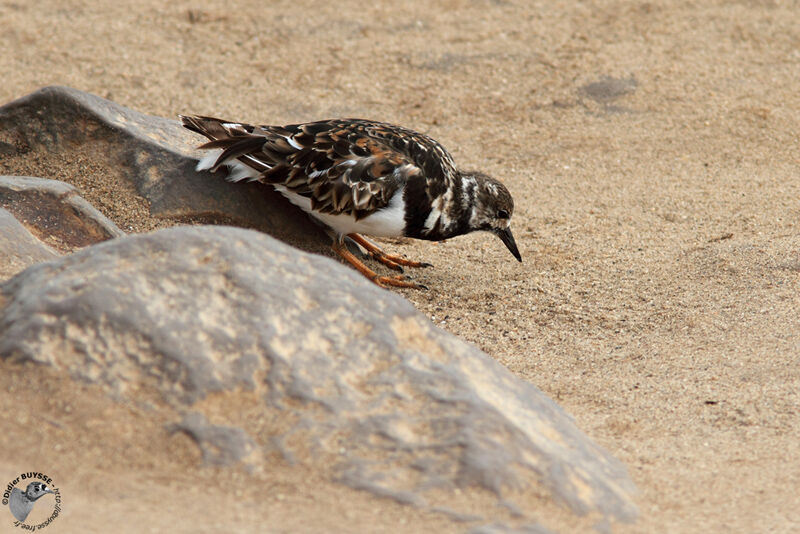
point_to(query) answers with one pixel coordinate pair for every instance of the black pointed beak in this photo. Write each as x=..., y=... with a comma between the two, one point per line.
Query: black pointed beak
x=507, y=238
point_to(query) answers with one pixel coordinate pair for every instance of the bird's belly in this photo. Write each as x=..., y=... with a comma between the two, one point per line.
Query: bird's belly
x=388, y=222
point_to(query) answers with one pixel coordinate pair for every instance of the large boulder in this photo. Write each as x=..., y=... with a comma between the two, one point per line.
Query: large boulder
x=352, y=380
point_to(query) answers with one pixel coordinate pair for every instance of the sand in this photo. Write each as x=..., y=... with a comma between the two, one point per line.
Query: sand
x=652, y=151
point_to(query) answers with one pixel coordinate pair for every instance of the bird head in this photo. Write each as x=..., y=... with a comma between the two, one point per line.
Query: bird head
x=493, y=209
x=36, y=490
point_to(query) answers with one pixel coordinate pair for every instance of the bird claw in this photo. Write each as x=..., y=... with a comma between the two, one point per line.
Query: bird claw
x=397, y=281
x=386, y=260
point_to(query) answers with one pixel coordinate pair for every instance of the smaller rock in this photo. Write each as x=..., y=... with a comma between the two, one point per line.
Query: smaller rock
x=19, y=249
x=55, y=213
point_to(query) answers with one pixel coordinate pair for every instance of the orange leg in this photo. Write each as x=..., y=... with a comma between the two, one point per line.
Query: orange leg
x=383, y=281
x=391, y=261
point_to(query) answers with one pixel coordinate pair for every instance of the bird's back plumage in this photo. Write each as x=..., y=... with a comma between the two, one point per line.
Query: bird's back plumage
x=343, y=166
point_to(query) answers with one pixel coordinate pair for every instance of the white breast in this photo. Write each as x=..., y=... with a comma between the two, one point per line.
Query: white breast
x=388, y=222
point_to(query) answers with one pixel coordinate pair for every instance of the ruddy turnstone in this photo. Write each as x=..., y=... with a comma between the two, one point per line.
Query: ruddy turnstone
x=362, y=177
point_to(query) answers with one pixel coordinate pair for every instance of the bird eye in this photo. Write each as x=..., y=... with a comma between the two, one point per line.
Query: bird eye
x=502, y=214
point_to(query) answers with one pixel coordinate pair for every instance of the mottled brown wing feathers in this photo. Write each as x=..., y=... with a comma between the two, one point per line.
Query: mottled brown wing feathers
x=344, y=166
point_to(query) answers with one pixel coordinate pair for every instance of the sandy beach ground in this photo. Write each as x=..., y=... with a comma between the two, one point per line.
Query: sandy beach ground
x=653, y=151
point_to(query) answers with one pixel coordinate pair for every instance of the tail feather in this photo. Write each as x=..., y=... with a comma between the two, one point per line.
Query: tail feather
x=230, y=144
x=208, y=160
x=239, y=147
x=212, y=127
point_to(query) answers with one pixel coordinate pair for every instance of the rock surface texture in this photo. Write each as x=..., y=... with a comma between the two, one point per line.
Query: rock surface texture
x=349, y=379
x=18, y=247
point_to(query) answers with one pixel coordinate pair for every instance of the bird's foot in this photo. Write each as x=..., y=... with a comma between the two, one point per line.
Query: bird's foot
x=397, y=281
x=383, y=281
x=390, y=260
x=396, y=262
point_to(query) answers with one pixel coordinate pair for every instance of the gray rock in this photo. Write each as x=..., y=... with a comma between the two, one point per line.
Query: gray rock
x=55, y=212
x=380, y=396
x=18, y=247
x=156, y=155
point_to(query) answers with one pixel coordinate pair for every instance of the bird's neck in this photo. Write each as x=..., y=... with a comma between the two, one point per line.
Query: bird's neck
x=450, y=212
